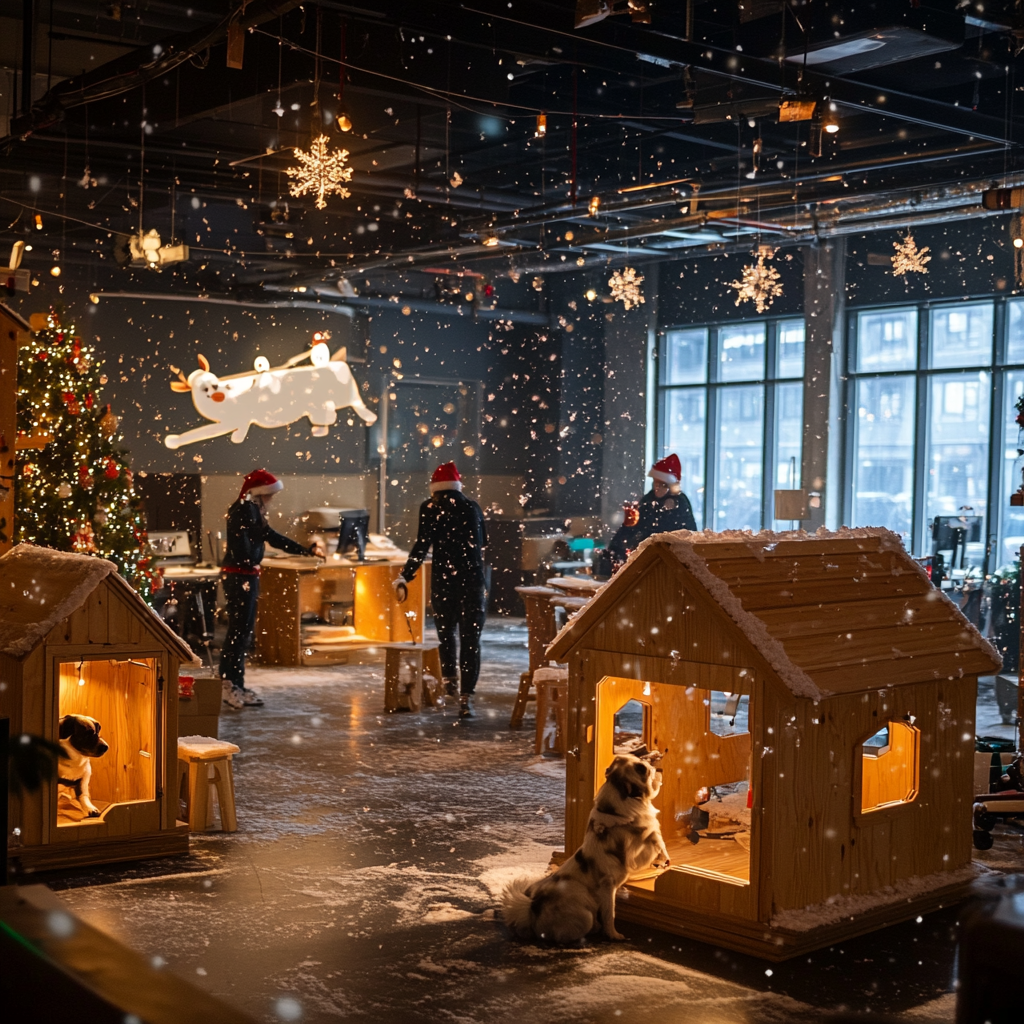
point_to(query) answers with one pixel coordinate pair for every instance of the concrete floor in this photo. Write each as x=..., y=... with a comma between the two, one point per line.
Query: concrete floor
x=363, y=879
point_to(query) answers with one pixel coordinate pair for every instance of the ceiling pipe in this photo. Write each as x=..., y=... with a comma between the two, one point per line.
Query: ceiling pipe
x=129, y=72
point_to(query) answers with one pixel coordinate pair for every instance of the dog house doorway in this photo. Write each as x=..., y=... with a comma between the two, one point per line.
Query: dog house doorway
x=121, y=695
x=704, y=738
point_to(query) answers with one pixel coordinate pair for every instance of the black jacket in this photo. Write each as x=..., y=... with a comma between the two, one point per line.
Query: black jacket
x=657, y=515
x=663, y=515
x=453, y=525
x=249, y=533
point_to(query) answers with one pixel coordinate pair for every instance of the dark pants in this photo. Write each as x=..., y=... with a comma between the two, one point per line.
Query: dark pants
x=242, y=593
x=465, y=609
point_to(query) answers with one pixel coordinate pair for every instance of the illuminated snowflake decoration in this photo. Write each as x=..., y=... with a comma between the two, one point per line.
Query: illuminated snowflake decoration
x=909, y=259
x=760, y=281
x=625, y=287
x=320, y=173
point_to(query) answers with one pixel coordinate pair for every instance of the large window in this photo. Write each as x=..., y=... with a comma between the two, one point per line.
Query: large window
x=730, y=405
x=930, y=419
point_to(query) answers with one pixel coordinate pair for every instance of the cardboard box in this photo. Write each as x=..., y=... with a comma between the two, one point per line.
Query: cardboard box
x=200, y=716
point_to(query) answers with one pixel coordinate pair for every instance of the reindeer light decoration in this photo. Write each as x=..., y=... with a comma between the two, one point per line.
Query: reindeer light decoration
x=271, y=396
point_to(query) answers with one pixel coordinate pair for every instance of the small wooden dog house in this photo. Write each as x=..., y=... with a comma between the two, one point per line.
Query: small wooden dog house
x=76, y=639
x=813, y=697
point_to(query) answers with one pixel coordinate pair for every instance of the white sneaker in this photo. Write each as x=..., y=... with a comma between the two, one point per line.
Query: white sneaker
x=251, y=699
x=231, y=696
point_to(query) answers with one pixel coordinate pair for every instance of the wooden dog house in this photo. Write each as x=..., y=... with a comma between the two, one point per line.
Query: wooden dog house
x=76, y=639
x=813, y=697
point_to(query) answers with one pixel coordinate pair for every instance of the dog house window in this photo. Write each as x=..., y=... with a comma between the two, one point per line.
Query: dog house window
x=889, y=767
x=121, y=697
x=728, y=713
x=631, y=728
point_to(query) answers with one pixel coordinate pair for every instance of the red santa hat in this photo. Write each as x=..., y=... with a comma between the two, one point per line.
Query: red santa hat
x=667, y=470
x=259, y=481
x=446, y=478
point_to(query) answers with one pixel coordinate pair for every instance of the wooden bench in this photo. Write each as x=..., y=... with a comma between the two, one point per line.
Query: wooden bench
x=540, y=626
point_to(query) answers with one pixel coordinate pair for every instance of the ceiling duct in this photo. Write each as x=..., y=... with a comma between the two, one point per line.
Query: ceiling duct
x=843, y=39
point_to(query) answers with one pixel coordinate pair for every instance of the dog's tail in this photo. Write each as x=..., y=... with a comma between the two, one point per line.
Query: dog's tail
x=516, y=904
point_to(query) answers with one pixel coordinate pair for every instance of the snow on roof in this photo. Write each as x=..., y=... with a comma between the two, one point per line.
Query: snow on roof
x=827, y=610
x=39, y=587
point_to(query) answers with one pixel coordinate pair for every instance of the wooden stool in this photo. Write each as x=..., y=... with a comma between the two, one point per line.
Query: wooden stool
x=552, y=685
x=422, y=662
x=540, y=625
x=203, y=763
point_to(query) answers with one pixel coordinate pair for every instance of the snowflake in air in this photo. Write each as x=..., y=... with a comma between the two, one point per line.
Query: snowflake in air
x=909, y=259
x=321, y=172
x=625, y=286
x=760, y=281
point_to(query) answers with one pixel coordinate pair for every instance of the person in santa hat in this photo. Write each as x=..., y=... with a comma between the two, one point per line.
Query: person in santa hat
x=248, y=533
x=453, y=526
x=662, y=509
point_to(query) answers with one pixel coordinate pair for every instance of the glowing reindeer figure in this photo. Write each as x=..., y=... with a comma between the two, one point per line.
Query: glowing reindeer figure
x=271, y=397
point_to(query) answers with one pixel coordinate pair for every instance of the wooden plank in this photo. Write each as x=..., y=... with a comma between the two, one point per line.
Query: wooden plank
x=278, y=633
x=12, y=334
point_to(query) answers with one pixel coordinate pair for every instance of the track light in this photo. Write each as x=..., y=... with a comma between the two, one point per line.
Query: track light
x=542, y=126
x=830, y=121
x=491, y=241
x=344, y=123
x=594, y=205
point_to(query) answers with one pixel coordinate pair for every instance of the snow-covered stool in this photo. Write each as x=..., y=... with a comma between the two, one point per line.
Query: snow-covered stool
x=204, y=764
x=552, y=686
x=412, y=676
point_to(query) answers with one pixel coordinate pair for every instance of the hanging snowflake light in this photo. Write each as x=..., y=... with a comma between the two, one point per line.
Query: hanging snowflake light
x=625, y=286
x=909, y=259
x=760, y=281
x=320, y=172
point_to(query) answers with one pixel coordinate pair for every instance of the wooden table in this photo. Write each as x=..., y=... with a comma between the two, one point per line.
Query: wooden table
x=576, y=586
x=291, y=586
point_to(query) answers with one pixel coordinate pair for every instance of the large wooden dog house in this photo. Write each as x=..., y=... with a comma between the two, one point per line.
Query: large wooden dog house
x=76, y=639
x=814, y=699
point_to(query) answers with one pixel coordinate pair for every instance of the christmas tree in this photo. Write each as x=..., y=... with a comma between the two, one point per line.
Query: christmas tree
x=74, y=490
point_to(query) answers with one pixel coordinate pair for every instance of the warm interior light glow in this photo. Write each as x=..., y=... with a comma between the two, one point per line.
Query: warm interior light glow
x=542, y=126
x=594, y=205
x=491, y=240
x=591, y=294
x=1018, y=242
x=344, y=123
x=55, y=271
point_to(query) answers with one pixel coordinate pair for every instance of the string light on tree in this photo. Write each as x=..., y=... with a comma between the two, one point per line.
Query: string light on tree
x=760, y=282
x=625, y=287
x=909, y=259
x=321, y=172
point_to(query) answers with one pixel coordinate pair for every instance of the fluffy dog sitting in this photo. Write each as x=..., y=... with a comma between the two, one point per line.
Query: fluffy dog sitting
x=623, y=837
x=80, y=741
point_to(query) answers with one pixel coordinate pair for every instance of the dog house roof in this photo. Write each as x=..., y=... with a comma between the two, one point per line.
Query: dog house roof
x=39, y=587
x=831, y=612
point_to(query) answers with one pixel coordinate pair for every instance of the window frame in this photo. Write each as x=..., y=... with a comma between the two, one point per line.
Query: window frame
x=712, y=385
x=919, y=541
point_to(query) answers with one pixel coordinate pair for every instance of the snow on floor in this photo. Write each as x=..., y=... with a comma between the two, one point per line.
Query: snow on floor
x=371, y=852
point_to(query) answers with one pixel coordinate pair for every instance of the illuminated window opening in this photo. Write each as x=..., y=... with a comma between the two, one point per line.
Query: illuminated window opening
x=889, y=767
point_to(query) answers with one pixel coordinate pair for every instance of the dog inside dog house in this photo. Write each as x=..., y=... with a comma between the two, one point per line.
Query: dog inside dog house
x=812, y=701
x=88, y=665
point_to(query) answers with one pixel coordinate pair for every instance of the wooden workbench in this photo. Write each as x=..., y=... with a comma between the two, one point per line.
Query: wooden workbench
x=291, y=586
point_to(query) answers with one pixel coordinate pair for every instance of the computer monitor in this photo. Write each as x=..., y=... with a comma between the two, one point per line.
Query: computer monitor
x=352, y=531
x=953, y=534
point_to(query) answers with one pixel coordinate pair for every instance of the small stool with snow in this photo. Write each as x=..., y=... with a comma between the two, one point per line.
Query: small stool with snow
x=411, y=670
x=205, y=763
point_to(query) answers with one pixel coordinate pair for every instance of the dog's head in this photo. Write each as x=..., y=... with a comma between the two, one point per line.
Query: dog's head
x=633, y=778
x=83, y=733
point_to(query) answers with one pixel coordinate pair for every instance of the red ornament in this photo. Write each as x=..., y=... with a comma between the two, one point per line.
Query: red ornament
x=41, y=356
x=112, y=470
x=71, y=402
x=89, y=400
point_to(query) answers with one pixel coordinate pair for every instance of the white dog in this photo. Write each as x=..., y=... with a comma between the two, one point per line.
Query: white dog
x=623, y=838
x=80, y=741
